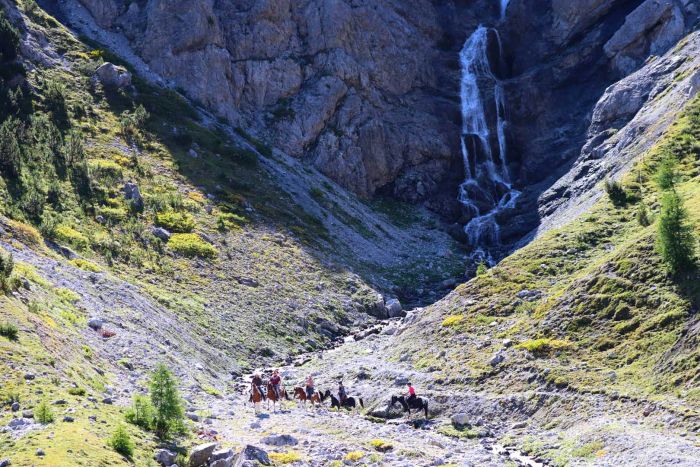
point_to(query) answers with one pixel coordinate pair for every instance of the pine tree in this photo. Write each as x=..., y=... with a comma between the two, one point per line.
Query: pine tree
x=676, y=240
x=166, y=402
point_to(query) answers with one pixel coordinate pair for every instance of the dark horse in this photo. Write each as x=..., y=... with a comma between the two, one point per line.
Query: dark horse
x=416, y=403
x=349, y=402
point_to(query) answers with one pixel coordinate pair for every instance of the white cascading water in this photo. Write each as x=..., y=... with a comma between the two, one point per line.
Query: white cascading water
x=487, y=189
x=504, y=7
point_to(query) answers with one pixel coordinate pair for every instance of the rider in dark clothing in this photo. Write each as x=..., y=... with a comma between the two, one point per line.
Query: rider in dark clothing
x=257, y=383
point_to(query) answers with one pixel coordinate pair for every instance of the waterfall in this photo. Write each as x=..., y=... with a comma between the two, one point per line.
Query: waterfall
x=504, y=7
x=487, y=189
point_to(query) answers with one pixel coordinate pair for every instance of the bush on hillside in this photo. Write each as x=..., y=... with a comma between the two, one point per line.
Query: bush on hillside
x=168, y=415
x=140, y=413
x=10, y=151
x=191, y=245
x=675, y=241
x=666, y=173
x=7, y=264
x=121, y=442
x=9, y=39
x=9, y=331
x=43, y=413
x=69, y=235
x=643, y=215
x=175, y=221
x=616, y=192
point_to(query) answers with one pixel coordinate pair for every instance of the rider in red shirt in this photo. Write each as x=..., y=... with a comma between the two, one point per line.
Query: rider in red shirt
x=411, y=393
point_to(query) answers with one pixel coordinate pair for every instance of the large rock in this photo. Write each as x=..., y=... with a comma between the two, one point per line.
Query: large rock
x=199, y=455
x=133, y=194
x=165, y=458
x=394, y=308
x=251, y=453
x=95, y=323
x=113, y=76
x=280, y=440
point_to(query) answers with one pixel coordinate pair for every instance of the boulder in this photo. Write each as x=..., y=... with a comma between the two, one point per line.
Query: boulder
x=5, y=462
x=460, y=420
x=40, y=452
x=95, y=323
x=164, y=457
x=280, y=440
x=112, y=76
x=15, y=406
x=496, y=359
x=228, y=462
x=252, y=453
x=68, y=419
x=221, y=454
x=394, y=308
x=29, y=376
x=133, y=194
x=160, y=232
x=200, y=455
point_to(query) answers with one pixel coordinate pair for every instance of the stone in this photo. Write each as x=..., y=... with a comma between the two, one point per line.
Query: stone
x=164, y=457
x=199, y=455
x=68, y=419
x=280, y=440
x=394, y=308
x=507, y=343
x=95, y=323
x=17, y=422
x=221, y=454
x=496, y=359
x=29, y=376
x=112, y=76
x=27, y=414
x=133, y=194
x=5, y=462
x=60, y=402
x=40, y=452
x=160, y=232
x=107, y=400
x=460, y=420
x=228, y=462
x=15, y=406
x=252, y=453
x=193, y=416
x=192, y=153
x=519, y=425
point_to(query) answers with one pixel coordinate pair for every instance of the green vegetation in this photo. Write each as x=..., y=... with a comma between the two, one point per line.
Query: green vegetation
x=9, y=331
x=140, y=413
x=676, y=239
x=191, y=245
x=381, y=445
x=121, y=442
x=666, y=173
x=175, y=221
x=77, y=391
x=543, y=346
x=168, y=414
x=481, y=269
x=43, y=413
x=288, y=457
x=616, y=192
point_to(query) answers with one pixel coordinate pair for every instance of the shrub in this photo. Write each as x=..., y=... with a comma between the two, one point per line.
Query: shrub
x=9, y=331
x=85, y=265
x=140, y=413
x=25, y=233
x=7, y=264
x=69, y=235
x=229, y=220
x=543, y=346
x=113, y=215
x=675, y=240
x=666, y=173
x=175, y=221
x=643, y=215
x=481, y=269
x=288, y=457
x=66, y=295
x=354, y=456
x=616, y=193
x=105, y=169
x=191, y=245
x=121, y=442
x=43, y=413
x=381, y=445
x=452, y=320
x=168, y=414
x=10, y=151
x=77, y=392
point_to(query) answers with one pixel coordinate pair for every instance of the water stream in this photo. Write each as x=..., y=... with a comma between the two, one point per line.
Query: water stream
x=487, y=189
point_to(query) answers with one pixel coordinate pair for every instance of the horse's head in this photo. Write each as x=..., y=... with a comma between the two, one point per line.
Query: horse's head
x=401, y=400
x=299, y=393
x=394, y=400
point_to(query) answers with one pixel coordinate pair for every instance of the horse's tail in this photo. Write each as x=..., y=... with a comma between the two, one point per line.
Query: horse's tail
x=362, y=404
x=425, y=407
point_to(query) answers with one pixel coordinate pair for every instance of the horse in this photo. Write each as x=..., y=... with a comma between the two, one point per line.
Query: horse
x=349, y=403
x=272, y=397
x=256, y=397
x=416, y=403
x=300, y=394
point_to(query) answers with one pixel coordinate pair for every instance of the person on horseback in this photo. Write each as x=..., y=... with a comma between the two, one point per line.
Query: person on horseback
x=342, y=394
x=257, y=383
x=309, y=387
x=411, y=394
x=276, y=382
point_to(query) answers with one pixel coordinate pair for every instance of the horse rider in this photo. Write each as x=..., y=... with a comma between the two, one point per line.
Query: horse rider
x=309, y=387
x=411, y=393
x=276, y=382
x=342, y=394
x=257, y=382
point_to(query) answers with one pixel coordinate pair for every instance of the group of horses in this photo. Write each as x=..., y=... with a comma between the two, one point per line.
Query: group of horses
x=318, y=398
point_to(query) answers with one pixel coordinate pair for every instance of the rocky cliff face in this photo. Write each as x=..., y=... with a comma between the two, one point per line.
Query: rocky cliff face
x=368, y=91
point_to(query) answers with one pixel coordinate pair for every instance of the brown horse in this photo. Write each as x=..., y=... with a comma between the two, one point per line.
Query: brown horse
x=300, y=394
x=255, y=397
x=272, y=396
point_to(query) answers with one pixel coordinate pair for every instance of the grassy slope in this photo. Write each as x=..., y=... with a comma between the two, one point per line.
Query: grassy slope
x=610, y=318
